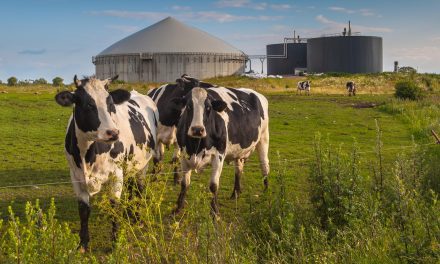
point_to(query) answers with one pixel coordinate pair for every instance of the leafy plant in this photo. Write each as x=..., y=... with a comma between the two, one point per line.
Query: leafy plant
x=408, y=90
x=12, y=81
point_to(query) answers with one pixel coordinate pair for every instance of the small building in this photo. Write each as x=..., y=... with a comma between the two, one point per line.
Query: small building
x=164, y=51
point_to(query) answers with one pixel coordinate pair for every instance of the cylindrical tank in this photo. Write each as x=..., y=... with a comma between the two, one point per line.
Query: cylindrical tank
x=351, y=54
x=294, y=57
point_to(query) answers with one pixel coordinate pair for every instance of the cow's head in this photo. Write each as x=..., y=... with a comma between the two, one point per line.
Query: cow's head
x=186, y=82
x=94, y=107
x=199, y=111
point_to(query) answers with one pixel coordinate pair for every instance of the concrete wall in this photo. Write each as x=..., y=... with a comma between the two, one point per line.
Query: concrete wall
x=167, y=67
x=296, y=58
x=354, y=54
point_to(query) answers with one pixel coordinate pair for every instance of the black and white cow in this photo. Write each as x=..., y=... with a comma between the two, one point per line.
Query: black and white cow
x=169, y=115
x=303, y=86
x=105, y=129
x=351, y=88
x=218, y=125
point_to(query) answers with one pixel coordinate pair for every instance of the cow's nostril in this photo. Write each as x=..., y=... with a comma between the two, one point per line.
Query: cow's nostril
x=112, y=133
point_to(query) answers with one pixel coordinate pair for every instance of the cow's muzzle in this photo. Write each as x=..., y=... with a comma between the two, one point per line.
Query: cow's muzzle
x=112, y=135
x=197, y=132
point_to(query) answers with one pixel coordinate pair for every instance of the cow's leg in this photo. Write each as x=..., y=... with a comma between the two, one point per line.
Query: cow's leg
x=175, y=161
x=84, y=213
x=116, y=192
x=184, y=183
x=263, y=155
x=158, y=157
x=83, y=209
x=238, y=172
x=217, y=166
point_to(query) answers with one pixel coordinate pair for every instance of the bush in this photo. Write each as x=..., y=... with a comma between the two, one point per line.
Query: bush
x=40, y=81
x=38, y=238
x=12, y=81
x=408, y=90
x=57, y=81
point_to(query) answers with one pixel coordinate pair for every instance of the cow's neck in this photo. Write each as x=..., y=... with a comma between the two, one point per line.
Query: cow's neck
x=83, y=143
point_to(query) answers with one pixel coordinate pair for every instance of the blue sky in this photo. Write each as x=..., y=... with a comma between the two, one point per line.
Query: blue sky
x=48, y=38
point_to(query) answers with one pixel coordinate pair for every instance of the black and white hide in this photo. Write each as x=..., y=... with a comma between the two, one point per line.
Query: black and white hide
x=217, y=125
x=303, y=86
x=169, y=114
x=106, y=129
x=351, y=88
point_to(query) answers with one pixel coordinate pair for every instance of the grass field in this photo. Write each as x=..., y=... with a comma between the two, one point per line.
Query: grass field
x=32, y=138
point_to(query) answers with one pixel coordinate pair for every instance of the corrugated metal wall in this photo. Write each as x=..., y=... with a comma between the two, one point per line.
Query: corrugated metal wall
x=354, y=54
x=296, y=58
x=167, y=67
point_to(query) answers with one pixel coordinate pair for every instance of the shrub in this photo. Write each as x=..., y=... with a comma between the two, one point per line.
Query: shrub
x=57, y=81
x=12, y=81
x=407, y=69
x=408, y=90
x=40, y=81
x=39, y=238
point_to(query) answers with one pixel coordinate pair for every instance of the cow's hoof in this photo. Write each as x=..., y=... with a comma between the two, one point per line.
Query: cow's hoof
x=83, y=249
x=235, y=194
x=176, y=211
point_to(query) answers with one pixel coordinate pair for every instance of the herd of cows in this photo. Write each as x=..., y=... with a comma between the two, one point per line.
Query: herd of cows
x=207, y=124
x=306, y=86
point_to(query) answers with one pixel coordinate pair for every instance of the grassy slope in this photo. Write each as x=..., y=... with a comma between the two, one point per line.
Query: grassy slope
x=33, y=129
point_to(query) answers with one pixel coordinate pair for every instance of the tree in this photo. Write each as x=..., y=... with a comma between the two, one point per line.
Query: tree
x=407, y=69
x=57, y=81
x=12, y=81
x=40, y=81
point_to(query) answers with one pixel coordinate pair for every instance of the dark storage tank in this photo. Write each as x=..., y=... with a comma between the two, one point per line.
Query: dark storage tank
x=351, y=54
x=294, y=57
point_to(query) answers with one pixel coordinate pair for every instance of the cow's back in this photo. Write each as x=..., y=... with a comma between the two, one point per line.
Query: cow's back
x=246, y=117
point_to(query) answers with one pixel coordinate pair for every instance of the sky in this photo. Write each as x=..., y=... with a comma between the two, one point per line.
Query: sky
x=49, y=38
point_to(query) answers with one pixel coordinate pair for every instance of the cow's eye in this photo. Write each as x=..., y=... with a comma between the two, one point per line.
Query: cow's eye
x=189, y=107
x=90, y=105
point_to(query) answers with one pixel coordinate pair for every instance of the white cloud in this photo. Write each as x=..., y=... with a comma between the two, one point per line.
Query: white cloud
x=341, y=9
x=233, y=3
x=281, y=6
x=124, y=28
x=130, y=14
x=363, y=12
x=180, y=8
x=251, y=5
x=334, y=26
x=186, y=16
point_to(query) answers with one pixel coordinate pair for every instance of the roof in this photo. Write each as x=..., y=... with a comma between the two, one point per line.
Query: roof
x=170, y=36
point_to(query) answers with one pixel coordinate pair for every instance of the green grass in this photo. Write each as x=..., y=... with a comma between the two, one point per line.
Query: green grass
x=33, y=129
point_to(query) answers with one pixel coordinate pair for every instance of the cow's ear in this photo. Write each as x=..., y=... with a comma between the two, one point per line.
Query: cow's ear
x=65, y=98
x=178, y=102
x=77, y=82
x=109, y=81
x=180, y=84
x=119, y=96
x=219, y=105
